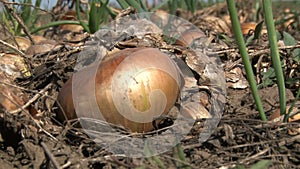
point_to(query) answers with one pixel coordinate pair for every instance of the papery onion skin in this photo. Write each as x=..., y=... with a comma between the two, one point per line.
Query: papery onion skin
x=149, y=79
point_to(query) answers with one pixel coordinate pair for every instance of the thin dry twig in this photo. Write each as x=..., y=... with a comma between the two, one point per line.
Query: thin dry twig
x=66, y=165
x=268, y=50
x=13, y=48
x=260, y=52
x=220, y=52
x=28, y=90
x=33, y=99
x=27, y=112
x=280, y=142
x=50, y=156
x=254, y=156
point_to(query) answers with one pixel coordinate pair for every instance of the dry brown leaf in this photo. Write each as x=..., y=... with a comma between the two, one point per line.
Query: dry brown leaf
x=70, y=15
x=211, y=23
x=235, y=79
x=294, y=117
x=41, y=47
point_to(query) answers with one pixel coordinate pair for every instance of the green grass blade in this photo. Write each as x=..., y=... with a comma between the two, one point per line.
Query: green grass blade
x=100, y=15
x=110, y=12
x=25, y=16
x=172, y=6
x=136, y=5
x=192, y=5
x=160, y=5
x=82, y=23
x=12, y=23
x=182, y=4
x=245, y=57
x=94, y=20
x=123, y=4
x=35, y=11
x=154, y=160
x=257, y=10
x=52, y=24
x=143, y=4
x=180, y=155
x=267, y=7
x=258, y=29
x=159, y=163
x=6, y=23
x=26, y=13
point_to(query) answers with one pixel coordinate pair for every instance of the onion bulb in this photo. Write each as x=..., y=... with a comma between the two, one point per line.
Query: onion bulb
x=133, y=87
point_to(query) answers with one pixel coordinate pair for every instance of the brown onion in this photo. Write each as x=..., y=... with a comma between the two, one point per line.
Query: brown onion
x=133, y=86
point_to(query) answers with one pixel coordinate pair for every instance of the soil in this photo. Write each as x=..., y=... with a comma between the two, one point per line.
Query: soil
x=33, y=138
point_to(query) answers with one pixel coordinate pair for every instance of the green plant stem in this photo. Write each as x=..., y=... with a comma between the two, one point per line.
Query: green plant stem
x=172, y=6
x=83, y=24
x=159, y=5
x=180, y=154
x=35, y=11
x=192, y=5
x=143, y=4
x=245, y=57
x=257, y=8
x=123, y=4
x=111, y=13
x=136, y=5
x=95, y=17
x=267, y=7
x=57, y=23
x=6, y=22
x=159, y=163
x=19, y=20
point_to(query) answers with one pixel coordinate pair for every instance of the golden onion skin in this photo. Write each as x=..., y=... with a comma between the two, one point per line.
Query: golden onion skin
x=127, y=83
x=66, y=108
